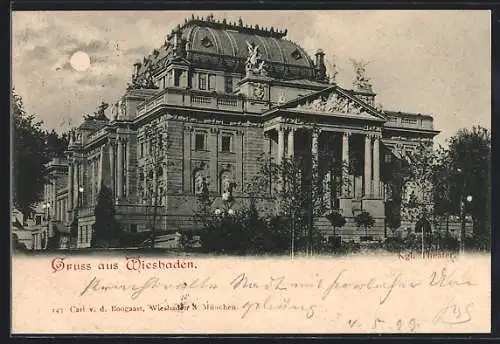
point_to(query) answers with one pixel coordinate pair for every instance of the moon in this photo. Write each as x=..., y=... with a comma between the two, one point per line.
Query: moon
x=80, y=61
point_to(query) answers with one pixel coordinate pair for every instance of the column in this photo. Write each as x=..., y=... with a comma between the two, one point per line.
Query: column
x=368, y=165
x=214, y=153
x=315, y=157
x=281, y=145
x=238, y=149
x=154, y=196
x=119, y=162
x=76, y=170
x=376, y=166
x=186, y=170
x=92, y=181
x=291, y=142
x=127, y=164
x=145, y=185
x=314, y=145
x=100, y=169
x=345, y=164
x=112, y=167
x=70, y=185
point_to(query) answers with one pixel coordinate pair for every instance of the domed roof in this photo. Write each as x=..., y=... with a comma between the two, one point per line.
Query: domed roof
x=211, y=44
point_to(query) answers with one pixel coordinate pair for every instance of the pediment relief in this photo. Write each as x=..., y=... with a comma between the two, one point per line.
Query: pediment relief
x=334, y=103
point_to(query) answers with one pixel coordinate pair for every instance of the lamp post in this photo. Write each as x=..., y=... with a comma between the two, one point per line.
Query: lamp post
x=467, y=199
x=463, y=199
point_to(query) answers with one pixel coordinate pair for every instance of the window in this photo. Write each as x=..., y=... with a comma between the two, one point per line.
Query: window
x=199, y=142
x=211, y=82
x=133, y=228
x=177, y=77
x=142, y=149
x=38, y=220
x=388, y=158
x=408, y=120
x=226, y=143
x=170, y=77
x=228, y=84
x=202, y=82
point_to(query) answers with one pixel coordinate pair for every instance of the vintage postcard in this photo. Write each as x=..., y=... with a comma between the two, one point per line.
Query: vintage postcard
x=251, y=172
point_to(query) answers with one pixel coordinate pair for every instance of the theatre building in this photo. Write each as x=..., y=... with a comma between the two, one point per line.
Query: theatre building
x=222, y=94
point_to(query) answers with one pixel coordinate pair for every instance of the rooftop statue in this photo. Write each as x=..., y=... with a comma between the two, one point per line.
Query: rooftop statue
x=361, y=81
x=254, y=64
x=99, y=114
x=146, y=81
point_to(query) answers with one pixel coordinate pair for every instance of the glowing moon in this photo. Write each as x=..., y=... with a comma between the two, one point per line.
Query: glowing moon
x=80, y=61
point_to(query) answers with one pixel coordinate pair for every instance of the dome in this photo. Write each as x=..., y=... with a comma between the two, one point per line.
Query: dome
x=218, y=45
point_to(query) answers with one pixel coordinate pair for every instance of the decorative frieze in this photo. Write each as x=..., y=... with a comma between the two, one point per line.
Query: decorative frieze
x=334, y=103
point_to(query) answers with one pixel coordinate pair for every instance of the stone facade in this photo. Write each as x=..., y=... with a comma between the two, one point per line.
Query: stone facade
x=205, y=106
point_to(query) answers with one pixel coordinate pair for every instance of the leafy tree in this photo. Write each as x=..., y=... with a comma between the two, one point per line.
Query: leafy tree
x=56, y=144
x=364, y=219
x=33, y=147
x=469, y=165
x=420, y=180
x=53, y=242
x=300, y=188
x=105, y=228
x=337, y=220
x=28, y=157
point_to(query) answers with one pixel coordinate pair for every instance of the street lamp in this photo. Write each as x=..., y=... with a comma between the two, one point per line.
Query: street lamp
x=80, y=197
x=462, y=213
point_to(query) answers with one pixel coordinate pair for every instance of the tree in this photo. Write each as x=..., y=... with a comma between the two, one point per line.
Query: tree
x=336, y=219
x=54, y=241
x=469, y=163
x=420, y=182
x=105, y=226
x=158, y=146
x=33, y=147
x=364, y=219
x=301, y=187
x=28, y=159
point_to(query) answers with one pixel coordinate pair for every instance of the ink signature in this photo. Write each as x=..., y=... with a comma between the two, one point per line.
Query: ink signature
x=454, y=313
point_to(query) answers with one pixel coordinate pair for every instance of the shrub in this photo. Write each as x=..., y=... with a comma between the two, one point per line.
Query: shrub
x=394, y=244
x=364, y=219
